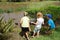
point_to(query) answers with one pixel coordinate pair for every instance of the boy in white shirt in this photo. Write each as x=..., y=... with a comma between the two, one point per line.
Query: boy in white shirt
x=40, y=21
x=25, y=24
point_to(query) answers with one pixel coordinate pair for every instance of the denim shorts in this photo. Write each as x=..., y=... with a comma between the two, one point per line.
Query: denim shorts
x=37, y=29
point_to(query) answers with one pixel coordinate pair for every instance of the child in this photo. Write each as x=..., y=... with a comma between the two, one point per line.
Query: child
x=50, y=23
x=38, y=24
x=25, y=25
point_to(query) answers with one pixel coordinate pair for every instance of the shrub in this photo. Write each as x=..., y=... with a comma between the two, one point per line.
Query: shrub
x=4, y=29
x=54, y=10
x=5, y=26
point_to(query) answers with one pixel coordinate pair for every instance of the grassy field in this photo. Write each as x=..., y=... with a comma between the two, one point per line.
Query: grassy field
x=54, y=36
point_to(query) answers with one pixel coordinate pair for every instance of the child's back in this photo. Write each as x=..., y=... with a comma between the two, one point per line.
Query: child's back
x=25, y=21
x=51, y=24
x=40, y=21
x=38, y=24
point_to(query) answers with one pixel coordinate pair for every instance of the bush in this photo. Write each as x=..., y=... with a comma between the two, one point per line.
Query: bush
x=54, y=10
x=5, y=26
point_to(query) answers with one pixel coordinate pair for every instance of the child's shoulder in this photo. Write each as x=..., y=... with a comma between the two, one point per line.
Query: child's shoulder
x=50, y=20
x=40, y=19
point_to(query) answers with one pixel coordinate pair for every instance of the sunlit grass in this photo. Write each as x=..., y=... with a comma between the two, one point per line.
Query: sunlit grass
x=53, y=36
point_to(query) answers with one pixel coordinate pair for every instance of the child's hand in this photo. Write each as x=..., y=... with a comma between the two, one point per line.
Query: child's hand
x=32, y=22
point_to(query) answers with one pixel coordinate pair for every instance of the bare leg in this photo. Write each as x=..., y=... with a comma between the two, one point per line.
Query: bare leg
x=33, y=34
x=27, y=35
x=38, y=34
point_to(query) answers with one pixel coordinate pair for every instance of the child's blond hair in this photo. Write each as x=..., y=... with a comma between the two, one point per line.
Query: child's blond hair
x=39, y=14
x=25, y=13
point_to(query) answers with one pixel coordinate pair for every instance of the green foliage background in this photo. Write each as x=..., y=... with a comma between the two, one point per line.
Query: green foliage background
x=51, y=7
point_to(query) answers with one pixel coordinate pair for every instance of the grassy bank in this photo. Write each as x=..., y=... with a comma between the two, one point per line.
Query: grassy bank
x=17, y=6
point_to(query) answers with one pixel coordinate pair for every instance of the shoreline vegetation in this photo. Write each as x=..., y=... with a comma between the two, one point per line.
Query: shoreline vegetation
x=27, y=5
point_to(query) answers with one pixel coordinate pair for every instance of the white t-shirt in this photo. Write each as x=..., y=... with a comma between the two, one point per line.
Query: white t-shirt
x=40, y=21
x=25, y=21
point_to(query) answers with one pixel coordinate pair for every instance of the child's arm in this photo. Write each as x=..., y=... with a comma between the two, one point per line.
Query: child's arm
x=49, y=23
x=29, y=26
x=20, y=22
x=43, y=23
x=29, y=29
x=34, y=23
